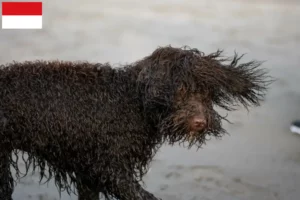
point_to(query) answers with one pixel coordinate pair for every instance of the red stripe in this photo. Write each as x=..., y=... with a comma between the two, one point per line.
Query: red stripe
x=21, y=8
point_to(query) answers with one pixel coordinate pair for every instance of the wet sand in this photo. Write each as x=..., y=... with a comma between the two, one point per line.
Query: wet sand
x=260, y=159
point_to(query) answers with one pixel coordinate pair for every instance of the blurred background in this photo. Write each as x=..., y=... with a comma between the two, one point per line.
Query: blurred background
x=260, y=159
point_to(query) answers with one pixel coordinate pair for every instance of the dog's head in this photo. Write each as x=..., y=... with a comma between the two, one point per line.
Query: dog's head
x=180, y=86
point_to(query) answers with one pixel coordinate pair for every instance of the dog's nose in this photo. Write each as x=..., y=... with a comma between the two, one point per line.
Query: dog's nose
x=198, y=124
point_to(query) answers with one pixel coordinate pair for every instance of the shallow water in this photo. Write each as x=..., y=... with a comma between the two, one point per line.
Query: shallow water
x=260, y=159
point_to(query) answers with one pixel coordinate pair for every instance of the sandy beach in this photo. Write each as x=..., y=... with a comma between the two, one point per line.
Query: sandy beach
x=260, y=158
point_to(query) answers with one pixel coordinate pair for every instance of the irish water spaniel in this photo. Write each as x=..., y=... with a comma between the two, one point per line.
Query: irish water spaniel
x=96, y=128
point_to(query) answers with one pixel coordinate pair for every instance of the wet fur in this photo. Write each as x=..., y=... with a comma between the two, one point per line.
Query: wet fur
x=97, y=128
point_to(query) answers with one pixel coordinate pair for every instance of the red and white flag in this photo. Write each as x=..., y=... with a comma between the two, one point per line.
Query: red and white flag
x=22, y=15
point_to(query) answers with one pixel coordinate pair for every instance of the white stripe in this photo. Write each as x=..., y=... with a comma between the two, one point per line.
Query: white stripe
x=22, y=22
x=295, y=129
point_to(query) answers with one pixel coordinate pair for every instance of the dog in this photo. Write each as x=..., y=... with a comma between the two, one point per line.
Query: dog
x=96, y=128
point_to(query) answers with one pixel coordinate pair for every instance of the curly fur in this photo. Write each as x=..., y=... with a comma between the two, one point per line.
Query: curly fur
x=97, y=128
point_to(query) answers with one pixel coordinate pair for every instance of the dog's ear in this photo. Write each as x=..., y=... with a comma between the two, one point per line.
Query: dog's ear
x=244, y=83
x=152, y=84
x=153, y=91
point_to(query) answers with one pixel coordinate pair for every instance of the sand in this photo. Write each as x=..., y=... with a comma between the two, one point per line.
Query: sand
x=260, y=159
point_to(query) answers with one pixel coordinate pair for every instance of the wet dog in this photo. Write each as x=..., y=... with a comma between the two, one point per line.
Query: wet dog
x=97, y=128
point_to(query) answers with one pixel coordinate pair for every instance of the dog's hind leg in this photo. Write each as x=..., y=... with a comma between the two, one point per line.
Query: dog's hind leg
x=85, y=193
x=6, y=179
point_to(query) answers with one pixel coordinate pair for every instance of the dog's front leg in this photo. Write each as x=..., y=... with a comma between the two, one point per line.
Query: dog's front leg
x=6, y=179
x=147, y=195
x=127, y=190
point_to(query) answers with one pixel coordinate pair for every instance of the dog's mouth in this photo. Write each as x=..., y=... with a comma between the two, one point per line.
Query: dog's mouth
x=194, y=135
x=191, y=136
x=181, y=131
